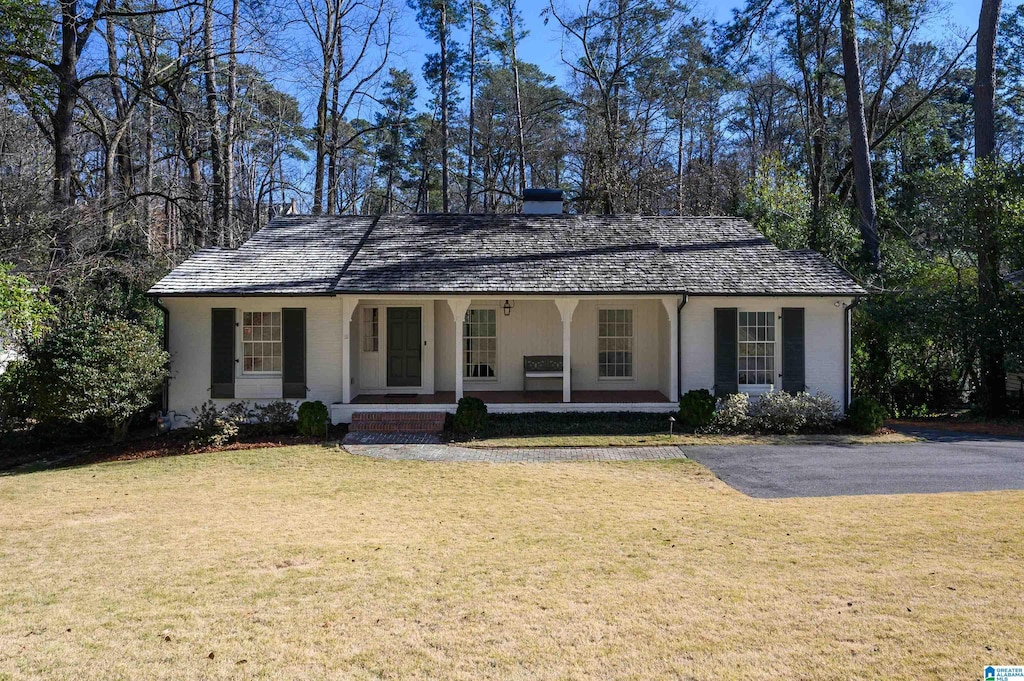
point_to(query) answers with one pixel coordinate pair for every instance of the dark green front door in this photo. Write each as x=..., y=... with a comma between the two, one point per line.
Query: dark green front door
x=404, y=351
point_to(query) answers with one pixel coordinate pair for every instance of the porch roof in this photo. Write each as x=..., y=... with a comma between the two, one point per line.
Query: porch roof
x=507, y=254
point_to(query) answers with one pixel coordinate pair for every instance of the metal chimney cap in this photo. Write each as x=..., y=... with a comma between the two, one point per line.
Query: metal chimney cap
x=542, y=194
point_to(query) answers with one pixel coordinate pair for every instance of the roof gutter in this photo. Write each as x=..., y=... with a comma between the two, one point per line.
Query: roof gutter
x=847, y=349
x=165, y=344
x=679, y=345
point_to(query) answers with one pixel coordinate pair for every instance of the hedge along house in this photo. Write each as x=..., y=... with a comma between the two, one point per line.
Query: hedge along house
x=532, y=312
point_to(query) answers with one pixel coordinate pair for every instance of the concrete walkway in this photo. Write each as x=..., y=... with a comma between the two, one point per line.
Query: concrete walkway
x=441, y=452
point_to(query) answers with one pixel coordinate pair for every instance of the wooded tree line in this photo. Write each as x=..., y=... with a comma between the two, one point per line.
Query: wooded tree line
x=135, y=132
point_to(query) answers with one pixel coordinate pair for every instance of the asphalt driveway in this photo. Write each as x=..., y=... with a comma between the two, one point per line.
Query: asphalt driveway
x=944, y=462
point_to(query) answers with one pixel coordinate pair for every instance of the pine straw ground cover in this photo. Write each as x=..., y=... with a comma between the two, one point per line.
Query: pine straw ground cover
x=307, y=562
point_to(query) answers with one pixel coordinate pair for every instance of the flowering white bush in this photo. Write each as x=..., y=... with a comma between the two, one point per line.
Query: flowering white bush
x=775, y=412
x=732, y=414
x=822, y=412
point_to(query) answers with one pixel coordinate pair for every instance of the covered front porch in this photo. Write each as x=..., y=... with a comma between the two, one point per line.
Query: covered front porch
x=517, y=354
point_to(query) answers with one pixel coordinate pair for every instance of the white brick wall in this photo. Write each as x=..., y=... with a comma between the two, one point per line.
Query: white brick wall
x=823, y=329
x=190, y=350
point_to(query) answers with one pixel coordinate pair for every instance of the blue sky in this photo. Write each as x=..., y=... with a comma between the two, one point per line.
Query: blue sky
x=543, y=44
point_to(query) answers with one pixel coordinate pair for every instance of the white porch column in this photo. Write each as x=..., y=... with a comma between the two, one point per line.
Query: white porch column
x=672, y=309
x=566, y=306
x=458, y=306
x=348, y=307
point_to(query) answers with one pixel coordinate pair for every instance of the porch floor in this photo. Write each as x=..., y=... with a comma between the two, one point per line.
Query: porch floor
x=522, y=397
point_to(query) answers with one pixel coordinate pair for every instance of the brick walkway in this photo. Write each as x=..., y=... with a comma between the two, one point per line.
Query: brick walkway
x=442, y=452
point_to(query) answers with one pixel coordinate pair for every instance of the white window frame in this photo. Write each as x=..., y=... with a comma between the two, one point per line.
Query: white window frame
x=369, y=329
x=758, y=345
x=466, y=338
x=631, y=309
x=263, y=343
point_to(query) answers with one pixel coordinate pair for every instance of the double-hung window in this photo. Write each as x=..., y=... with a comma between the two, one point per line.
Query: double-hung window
x=261, y=342
x=370, y=330
x=756, y=348
x=615, y=343
x=480, y=335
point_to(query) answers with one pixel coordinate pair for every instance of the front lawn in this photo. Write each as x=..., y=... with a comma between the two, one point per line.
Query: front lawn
x=307, y=562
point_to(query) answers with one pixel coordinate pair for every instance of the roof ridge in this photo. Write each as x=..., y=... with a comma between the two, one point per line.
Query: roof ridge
x=355, y=251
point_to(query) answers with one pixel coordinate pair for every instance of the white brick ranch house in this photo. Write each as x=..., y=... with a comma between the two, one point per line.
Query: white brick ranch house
x=532, y=312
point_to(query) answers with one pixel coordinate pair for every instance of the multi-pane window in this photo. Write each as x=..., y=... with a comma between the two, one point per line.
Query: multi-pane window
x=756, y=345
x=615, y=343
x=480, y=335
x=371, y=329
x=261, y=342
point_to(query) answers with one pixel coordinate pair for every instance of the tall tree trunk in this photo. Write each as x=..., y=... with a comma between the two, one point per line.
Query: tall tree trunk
x=445, y=142
x=327, y=50
x=991, y=350
x=333, y=180
x=229, y=126
x=510, y=6
x=67, y=97
x=472, y=109
x=213, y=122
x=866, y=212
x=679, y=165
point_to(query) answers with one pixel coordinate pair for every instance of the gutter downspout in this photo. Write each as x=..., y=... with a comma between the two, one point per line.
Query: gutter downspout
x=847, y=349
x=166, y=346
x=679, y=346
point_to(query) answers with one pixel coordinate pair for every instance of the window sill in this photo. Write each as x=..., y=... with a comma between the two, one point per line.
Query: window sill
x=618, y=379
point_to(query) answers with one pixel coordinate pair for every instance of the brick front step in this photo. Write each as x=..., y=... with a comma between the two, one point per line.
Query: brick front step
x=397, y=422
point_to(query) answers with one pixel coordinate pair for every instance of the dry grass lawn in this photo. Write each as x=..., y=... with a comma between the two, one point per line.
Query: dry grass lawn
x=686, y=440
x=307, y=562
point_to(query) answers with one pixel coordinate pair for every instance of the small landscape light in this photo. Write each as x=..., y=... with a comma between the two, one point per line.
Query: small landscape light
x=671, y=423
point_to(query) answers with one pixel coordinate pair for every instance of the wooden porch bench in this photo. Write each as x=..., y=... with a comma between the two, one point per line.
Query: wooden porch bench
x=542, y=366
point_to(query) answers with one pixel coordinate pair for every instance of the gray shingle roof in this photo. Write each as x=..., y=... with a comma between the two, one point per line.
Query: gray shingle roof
x=293, y=255
x=507, y=254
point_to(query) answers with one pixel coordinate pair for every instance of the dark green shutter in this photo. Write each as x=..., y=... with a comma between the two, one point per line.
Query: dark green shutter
x=293, y=352
x=222, y=353
x=726, y=380
x=793, y=377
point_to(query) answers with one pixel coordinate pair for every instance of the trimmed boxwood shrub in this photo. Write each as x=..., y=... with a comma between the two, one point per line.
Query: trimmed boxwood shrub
x=470, y=416
x=313, y=417
x=696, y=409
x=865, y=415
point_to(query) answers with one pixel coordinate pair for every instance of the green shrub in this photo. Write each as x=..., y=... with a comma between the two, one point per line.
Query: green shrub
x=586, y=423
x=15, y=405
x=213, y=427
x=865, y=415
x=273, y=418
x=313, y=419
x=696, y=409
x=94, y=372
x=470, y=416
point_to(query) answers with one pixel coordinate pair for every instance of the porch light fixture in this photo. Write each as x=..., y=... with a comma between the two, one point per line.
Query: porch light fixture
x=507, y=307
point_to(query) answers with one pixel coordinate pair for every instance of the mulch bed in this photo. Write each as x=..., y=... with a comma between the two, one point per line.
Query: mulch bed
x=145, y=445
x=952, y=424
